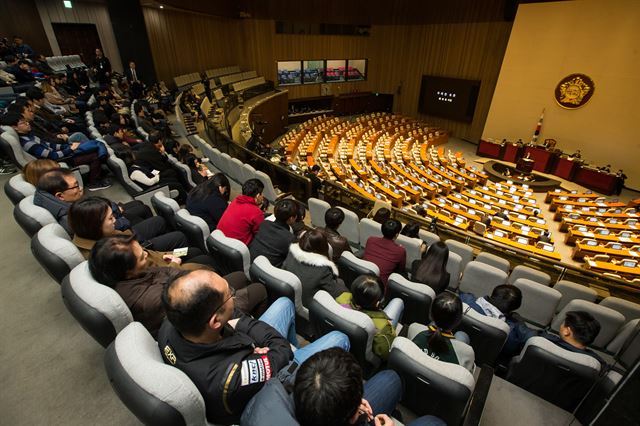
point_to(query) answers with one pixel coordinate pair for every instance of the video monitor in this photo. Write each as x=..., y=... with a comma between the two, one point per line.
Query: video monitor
x=592, y=243
x=547, y=247
x=451, y=98
x=356, y=69
x=629, y=263
x=523, y=240
x=498, y=233
x=313, y=71
x=289, y=73
x=335, y=70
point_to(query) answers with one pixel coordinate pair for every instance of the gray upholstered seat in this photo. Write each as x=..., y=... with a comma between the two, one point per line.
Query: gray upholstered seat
x=195, y=228
x=248, y=172
x=626, y=344
x=431, y=386
x=327, y=315
x=488, y=335
x=233, y=255
x=493, y=260
x=317, y=210
x=464, y=251
x=567, y=377
x=350, y=227
x=165, y=207
x=413, y=247
x=522, y=271
x=351, y=267
x=571, y=291
x=417, y=298
x=279, y=283
x=428, y=237
x=227, y=166
x=17, y=188
x=156, y=393
x=53, y=249
x=99, y=309
x=480, y=279
x=369, y=228
x=237, y=169
x=539, y=302
x=182, y=169
x=12, y=148
x=269, y=192
x=610, y=320
x=454, y=268
x=31, y=217
x=630, y=310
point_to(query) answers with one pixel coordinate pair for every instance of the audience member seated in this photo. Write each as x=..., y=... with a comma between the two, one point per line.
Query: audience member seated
x=578, y=331
x=54, y=97
x=242, y=219
x=382, y=215
x=385, y=252
x=23, y=72
x=438, y=341
x=33, y=170
x=94, y=218
x=274, y=237
x=55, y=192
x=229, y=360
x=46, y=117
x=412, y=230
x=504, y=300
x=145, y=176
x=210, y=199
x=367, y=293
x=80, y=151
x=309, y=261
x=298, y=226
x=329, y=390
x=333, y=218
x=316, y=182
x=432, y=268
x=153, y=154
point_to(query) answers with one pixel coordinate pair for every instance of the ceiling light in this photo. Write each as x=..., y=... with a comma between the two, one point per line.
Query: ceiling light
x=67, y=4
x=161, y=7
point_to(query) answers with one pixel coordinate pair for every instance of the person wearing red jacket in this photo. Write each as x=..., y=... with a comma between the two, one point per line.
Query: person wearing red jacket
x=242, y=219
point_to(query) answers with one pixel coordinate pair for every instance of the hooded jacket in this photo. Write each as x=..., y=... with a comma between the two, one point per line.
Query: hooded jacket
x=315, y=272
x=242, y=219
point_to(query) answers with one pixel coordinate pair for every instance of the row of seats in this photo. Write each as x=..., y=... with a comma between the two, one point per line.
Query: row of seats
x=60, y=63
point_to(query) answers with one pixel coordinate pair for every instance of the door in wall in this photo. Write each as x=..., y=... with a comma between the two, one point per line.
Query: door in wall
x=78, y=39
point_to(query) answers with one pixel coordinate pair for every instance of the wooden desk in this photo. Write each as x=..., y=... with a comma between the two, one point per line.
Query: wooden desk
x=459, y=184
x=446, y=187
x=489, y=149
x=544, y=160
x=557, y=202
x=396, y=199
x=448, y=220
x=553, y=194
x=429, y=189
x=582, y=250
x=507, y=197
x=455, y=210
x=528, y=222
x=567, y=222
x=573, y=235
x=597, y=180
x=526, y=247
x=561, y=212
x=615, y=269
x=471, y=203
x=517, y=231
x=352, y=185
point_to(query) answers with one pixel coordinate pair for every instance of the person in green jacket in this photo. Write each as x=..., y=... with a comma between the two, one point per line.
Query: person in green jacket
x=366, y=296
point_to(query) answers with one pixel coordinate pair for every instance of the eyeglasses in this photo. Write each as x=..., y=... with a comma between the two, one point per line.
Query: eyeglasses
x=233, y=294
x=73, y=187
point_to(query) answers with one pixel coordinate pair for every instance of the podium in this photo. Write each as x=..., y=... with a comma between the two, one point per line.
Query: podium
x=512, y=152
x=525, y=165
x=544, y=160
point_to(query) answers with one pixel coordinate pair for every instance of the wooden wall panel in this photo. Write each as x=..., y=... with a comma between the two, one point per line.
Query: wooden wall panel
x=22, y=18
x=81, y=13
x=183, y=42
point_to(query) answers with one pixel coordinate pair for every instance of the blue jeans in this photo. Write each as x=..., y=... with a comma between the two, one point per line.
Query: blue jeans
x=281, y=315
x=383, y=391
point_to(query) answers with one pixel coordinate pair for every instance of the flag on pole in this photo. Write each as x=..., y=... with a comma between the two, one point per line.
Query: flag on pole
x=536, y=133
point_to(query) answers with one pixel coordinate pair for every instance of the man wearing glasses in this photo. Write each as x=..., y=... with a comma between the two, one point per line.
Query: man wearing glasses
x=229, y=358
x=56, y=190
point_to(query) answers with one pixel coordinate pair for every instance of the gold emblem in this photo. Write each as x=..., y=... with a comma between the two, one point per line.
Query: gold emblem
x=574, y=91
x=168, y=353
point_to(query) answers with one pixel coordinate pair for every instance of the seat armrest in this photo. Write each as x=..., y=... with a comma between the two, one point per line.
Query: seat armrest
x=479, y=396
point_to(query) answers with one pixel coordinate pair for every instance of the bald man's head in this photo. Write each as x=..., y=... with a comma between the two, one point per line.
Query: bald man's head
x=191, y=300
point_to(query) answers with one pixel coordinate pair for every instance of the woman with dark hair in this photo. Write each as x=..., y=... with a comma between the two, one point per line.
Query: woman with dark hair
x=121, y=263
x=412, y=230
x=382, y=215
x=92, y=219
x=199, y=172
x=144, y=175
x=432, y=268
x=309, y=261
x=438, y=340
x=210, y=199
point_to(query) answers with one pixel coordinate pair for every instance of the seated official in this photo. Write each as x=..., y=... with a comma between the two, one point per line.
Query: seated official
x=309, y=260
x=366, y=296
x=438, y=341
x=274, y=237
x=504, y=300
x=210, y=199
x=242, y=219
x=229, y=360
x=329, y=390
x=333, y=218
x=385, y=252
x=93, y=218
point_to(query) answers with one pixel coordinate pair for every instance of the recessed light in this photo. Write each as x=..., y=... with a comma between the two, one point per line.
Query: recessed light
x=161, y=7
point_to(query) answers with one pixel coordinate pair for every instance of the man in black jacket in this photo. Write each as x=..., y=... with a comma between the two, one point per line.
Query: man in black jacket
x=274, y=237
x=229, y=360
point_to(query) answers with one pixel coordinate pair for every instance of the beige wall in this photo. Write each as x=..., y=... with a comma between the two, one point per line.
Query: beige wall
x=81, y=13
x=552, y=40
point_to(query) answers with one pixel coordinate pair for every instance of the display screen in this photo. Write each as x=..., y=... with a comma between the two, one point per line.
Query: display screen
x=289, y=73
x=451, y=98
